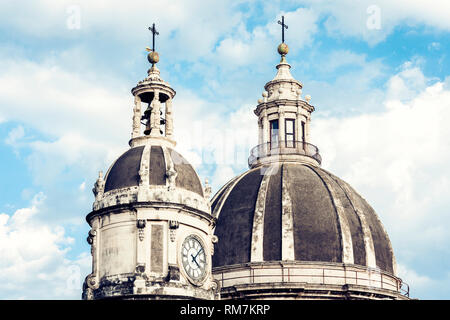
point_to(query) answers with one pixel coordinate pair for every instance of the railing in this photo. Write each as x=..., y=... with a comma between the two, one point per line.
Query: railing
x=284, y=148
x=404, y=289
x=310, y=273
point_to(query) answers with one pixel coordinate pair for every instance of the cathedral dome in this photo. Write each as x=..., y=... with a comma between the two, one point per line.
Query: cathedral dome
x=125, y=170
x=288, y=229
x=151, y=170
x=297, y=212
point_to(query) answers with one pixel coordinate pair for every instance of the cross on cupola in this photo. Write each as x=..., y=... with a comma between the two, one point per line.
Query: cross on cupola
x=154, y=32
x=153, y=56
x=283, y=48
x=283, y=26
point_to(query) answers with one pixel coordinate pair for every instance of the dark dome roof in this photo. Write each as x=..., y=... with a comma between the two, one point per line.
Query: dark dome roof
x=330, y=221
x=125, y=171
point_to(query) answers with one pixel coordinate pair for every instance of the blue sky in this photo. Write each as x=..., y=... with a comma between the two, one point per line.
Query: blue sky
x=377, y=71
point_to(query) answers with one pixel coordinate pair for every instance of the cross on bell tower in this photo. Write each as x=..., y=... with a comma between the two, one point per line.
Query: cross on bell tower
x=154, y=32
x=283, y=26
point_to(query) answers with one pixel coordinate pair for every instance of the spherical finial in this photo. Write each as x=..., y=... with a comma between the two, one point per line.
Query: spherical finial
x=283, y=49
x=265, y=94
x=308, y=98
x=153, y=57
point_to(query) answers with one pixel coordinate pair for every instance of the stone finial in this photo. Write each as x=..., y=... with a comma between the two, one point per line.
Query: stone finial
x=153, y=57
x=308, y=98
x=283, y=49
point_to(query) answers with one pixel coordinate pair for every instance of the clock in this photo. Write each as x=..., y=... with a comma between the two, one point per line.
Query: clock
x=193, y=258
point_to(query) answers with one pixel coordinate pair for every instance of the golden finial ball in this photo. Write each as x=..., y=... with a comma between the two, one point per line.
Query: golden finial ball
x=283, y=49
x=153, y=57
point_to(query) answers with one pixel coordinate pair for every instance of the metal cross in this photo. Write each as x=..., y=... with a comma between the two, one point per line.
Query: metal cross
x=282, y=27
x=153, y=30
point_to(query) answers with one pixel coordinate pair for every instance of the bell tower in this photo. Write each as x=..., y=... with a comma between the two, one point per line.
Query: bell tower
x=284, y=118
x=151, y=224
x=155, y=95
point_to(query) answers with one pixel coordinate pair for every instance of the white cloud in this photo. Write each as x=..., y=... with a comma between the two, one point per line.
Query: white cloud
x=350, y=18
x=416, y=282
x=349, y=78
x=245, y=48
x=407, y=83
x=183, y=22
x=434, y=46
x=14, y=135
x=66, y=110
x=342, y=58
x=206, y=138
x=34, y=262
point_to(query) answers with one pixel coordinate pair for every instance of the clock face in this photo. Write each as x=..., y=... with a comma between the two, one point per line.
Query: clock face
x=193, y=257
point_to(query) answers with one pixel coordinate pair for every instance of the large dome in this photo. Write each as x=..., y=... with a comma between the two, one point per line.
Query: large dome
x=296, y=211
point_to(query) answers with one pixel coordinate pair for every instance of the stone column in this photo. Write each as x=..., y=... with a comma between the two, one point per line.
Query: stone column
x=260, y=131
x=307, y=132
x=298, y=126
x=136, y=117
x=169, y=119
x=265, y=127
x=155, y=117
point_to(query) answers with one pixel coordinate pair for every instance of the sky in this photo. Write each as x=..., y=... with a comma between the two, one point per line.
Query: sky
x=377, y=71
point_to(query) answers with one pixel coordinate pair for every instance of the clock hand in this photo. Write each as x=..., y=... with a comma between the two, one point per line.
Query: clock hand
x=193, y=259
x=198, y=252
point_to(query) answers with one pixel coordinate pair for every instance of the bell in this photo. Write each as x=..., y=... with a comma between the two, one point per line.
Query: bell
x=148, y=111
x=147, y=128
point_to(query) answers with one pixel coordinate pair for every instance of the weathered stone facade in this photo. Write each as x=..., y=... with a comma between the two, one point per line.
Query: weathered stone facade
x=150, y=201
